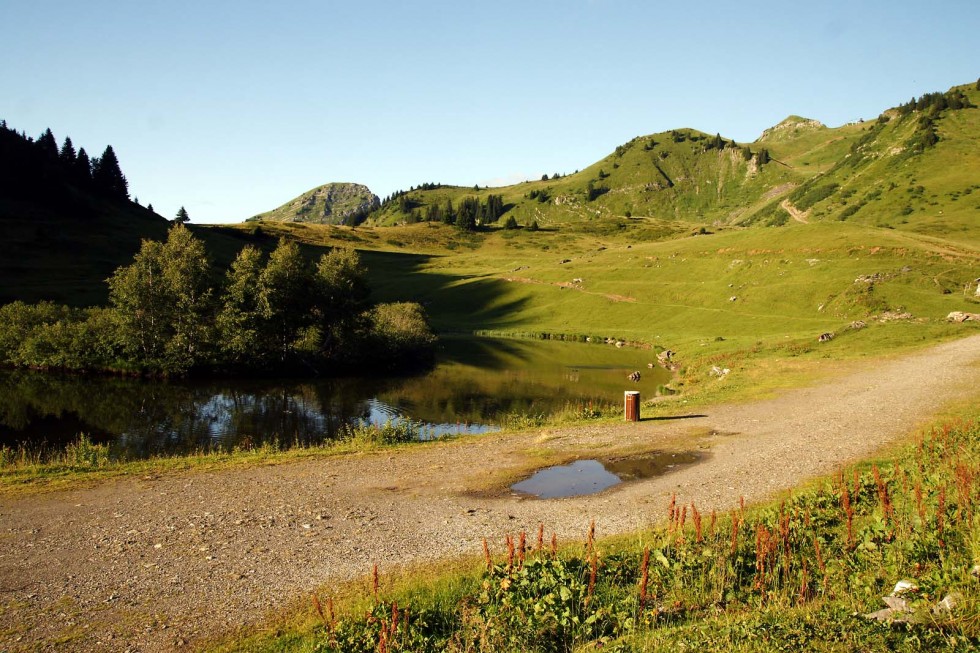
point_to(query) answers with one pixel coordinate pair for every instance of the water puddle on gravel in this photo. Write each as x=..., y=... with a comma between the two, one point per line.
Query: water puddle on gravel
x=584, y=477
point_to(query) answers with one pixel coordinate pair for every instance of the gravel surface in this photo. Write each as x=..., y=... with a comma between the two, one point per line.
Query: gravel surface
x=154, y=563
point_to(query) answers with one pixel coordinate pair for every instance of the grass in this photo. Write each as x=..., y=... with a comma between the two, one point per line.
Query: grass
x=795, y=574
x=29, y=470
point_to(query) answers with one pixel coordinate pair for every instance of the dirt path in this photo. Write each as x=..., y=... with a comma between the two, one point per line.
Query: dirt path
x=798, y=215
x=150, y=564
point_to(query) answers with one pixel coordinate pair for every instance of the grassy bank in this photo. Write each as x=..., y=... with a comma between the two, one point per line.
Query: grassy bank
x=84, y=462
x=800, y=573
x=25, y=470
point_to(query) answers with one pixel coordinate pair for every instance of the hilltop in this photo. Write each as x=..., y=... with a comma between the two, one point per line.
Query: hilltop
x=334, y=203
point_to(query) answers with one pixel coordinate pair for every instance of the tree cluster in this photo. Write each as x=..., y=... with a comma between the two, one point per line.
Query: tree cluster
x=279, y=313
x=934, y=103
x=30, y=167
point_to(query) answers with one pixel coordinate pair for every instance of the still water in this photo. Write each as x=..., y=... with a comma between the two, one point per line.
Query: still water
x=475, y=384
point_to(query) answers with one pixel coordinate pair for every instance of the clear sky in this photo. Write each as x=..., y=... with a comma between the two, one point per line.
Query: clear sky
x=231, y=108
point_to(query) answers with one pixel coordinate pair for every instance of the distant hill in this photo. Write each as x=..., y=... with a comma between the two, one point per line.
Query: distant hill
x=336, y=203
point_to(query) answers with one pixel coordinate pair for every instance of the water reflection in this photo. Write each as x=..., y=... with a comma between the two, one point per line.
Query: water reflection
x=475, y=383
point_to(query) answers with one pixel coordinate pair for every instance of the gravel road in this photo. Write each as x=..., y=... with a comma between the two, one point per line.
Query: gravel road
x=153, y=563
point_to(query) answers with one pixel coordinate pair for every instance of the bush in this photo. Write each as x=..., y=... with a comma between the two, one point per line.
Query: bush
x=399, y=331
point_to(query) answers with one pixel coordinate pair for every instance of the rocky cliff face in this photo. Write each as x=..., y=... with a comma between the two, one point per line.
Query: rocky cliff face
x=337, y=203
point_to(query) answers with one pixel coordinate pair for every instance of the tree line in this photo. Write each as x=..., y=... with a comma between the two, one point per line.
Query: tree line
x=34, y=166
x=269, y=314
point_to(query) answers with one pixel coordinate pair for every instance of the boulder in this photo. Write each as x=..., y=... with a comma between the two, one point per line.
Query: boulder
x=960, y=316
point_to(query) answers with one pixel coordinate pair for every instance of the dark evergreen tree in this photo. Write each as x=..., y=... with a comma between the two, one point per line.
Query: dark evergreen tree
x=108, y=177
x=67, y=154
x=83, y=167
x=764, y=156
x=48, y=144
x=182, y=217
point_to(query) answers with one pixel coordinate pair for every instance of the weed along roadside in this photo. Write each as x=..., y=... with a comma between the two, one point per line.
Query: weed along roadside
x=237, y=543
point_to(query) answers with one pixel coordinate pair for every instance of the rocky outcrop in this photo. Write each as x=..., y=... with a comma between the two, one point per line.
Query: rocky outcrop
x=337, y=203
x=791, y=127
x=960, y=316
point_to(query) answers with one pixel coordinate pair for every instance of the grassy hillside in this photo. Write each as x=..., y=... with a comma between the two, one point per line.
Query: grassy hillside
x=873, y=173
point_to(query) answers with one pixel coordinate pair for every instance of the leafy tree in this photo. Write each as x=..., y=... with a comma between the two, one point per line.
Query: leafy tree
x=182, y=217
x=240, y=319
x=108, y=177
x=544, y=177
x=341, y=293
x=285, y=300
x=163, y=303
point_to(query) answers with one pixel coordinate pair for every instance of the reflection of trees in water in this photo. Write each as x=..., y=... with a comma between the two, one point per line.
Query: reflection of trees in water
x=145, y=418
x=478, y=383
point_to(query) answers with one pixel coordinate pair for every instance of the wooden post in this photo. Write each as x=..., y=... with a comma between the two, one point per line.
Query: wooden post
x=632, y=406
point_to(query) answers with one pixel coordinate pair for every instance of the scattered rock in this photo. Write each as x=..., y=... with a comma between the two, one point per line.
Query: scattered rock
x=960, y=316
x=869, y=278
x=898, y=610
x=718, y=371
x=891, y=316
x=634, y=377
x=577, y=280
x=857, y=325
x=825, y=337
x=948, y=604
x=665, y=356
x=733, y=298
x=565, y=260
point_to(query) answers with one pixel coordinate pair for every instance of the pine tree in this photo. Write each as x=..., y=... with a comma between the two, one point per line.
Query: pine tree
x=67, y=154
x=48, y=144
x=83, y=166
x=108, y=177
x=182, y=217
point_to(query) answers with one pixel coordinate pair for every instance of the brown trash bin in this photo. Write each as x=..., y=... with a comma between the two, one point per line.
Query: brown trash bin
x=632, y=406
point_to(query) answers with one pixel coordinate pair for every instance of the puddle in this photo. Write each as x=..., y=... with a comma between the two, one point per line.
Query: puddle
x=584, y=477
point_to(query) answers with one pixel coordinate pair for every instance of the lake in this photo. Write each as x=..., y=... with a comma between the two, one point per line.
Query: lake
x=475, y=384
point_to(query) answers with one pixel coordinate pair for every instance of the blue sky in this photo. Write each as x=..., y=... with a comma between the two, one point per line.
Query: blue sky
x=233, y=108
